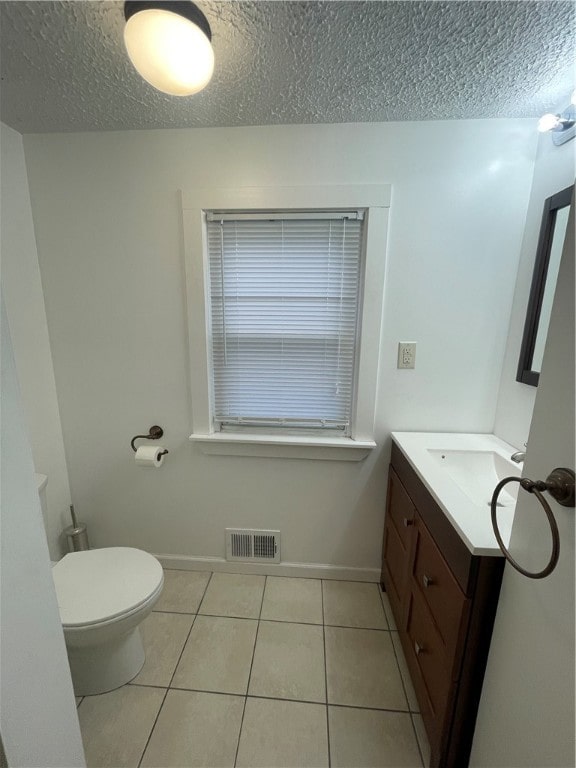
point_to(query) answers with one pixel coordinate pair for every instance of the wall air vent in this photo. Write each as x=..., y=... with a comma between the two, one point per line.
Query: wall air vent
x=252, y=545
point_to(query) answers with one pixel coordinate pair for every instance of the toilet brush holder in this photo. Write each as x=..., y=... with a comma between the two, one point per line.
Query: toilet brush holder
x=76, y=534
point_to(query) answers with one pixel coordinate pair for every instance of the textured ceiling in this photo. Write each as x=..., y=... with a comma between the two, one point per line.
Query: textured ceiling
x=64, y=68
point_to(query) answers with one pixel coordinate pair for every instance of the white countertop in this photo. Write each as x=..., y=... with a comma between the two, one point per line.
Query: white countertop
x=462, y=480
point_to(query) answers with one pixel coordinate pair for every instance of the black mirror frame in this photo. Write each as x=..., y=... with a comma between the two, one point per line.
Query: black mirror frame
x=552, y=205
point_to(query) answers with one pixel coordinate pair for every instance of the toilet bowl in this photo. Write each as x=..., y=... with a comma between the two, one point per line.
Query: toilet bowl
x=103, y=596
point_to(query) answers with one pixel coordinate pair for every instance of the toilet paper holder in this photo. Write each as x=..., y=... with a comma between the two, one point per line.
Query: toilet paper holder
x=155, y=433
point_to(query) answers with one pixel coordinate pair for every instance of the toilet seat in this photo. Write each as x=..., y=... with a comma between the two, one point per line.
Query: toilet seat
x=98, y=585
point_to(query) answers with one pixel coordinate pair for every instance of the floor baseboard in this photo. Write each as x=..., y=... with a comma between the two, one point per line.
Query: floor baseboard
x=299, y=570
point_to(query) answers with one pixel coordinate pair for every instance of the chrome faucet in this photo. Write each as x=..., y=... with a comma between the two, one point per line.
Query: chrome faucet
x=518, y=457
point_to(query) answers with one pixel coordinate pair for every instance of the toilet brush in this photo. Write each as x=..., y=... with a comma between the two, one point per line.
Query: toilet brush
x=77, y=534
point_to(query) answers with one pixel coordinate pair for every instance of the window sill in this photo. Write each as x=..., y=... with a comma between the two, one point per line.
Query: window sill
x=284, y=446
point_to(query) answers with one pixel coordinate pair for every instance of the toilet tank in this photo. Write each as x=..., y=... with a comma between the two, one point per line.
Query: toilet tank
x=42, y=482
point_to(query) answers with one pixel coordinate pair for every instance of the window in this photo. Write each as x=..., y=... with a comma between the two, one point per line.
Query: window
x=284, y=299
x=284, y=318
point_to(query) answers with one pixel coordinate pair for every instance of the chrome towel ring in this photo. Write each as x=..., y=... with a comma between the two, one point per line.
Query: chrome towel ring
x=560, y=485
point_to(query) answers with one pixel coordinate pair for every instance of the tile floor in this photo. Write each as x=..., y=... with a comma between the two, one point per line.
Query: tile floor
x=250, y=671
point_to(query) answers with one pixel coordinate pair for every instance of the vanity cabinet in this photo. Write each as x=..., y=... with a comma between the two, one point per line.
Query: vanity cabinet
x=444, y=601
x=397, y=540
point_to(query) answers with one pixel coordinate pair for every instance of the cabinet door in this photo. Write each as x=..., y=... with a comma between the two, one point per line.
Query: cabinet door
x=398, y=529
x=400, y=509
x=428, y=664
x=448, y=605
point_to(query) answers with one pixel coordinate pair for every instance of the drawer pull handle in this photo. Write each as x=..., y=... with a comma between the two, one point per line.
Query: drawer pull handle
x=408, y=522
x=427, y=581
x=418, y=648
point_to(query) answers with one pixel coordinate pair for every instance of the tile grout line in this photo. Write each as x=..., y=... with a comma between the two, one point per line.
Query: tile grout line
x=404, y=687
x=322, y=624
x=325, y=674
x=250, y=672
x=332, y=704
x=410, y=711
x=153, y=726
x=148, y=685
x=279, y=698
x=416, y=737
x=279, y=621
x=190, y=631
x=277, y=576
x=172, y=677
x=382, y=592
x=213, y=693
x=369, y=709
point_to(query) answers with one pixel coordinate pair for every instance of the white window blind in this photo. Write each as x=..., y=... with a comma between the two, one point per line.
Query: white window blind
x=284, y=306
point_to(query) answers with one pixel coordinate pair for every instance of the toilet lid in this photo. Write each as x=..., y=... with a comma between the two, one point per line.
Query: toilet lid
x=98, y=584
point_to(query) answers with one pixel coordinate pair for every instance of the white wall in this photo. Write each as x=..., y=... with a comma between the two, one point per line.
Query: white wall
x=526, y=715
x=108, y=226
x=38, y=719
x=553, y=171
x=27, y=318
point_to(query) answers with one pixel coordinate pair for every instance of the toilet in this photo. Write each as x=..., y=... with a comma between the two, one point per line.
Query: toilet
x=103, y=596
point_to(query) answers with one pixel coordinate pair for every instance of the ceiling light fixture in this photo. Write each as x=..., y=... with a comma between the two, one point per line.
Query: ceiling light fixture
x=169, y=45
x=562, y=126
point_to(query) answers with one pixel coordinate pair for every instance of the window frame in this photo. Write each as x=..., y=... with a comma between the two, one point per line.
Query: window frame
x=375, y=200
x=320, y=338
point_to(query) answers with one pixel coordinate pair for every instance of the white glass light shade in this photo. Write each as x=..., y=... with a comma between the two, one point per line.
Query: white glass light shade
x=169, y=51
x=548, y=122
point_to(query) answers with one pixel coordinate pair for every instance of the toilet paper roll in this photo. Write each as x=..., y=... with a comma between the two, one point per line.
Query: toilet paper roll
x=148, y=456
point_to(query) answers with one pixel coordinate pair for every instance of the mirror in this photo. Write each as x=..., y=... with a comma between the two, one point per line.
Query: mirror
x=548, y=253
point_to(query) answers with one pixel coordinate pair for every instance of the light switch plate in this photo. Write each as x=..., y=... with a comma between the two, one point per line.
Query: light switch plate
x=406, y=354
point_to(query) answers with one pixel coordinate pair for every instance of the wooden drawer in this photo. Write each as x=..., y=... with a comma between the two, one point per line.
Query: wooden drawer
x=439, y=589
x=395, y=569
x=400, y=509
x=426, y=651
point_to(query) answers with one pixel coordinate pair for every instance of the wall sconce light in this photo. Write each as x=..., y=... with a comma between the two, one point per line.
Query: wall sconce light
x=169, y=45
x=562, y=126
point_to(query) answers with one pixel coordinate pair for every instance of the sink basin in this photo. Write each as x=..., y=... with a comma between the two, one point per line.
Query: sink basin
x=461, y=472
x=478, y=472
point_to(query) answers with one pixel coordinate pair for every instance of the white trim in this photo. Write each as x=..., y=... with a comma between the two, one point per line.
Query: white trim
x=283, y=446
x=197, y=272
x=285, y=216
x=298, y=570
x=375, y=198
